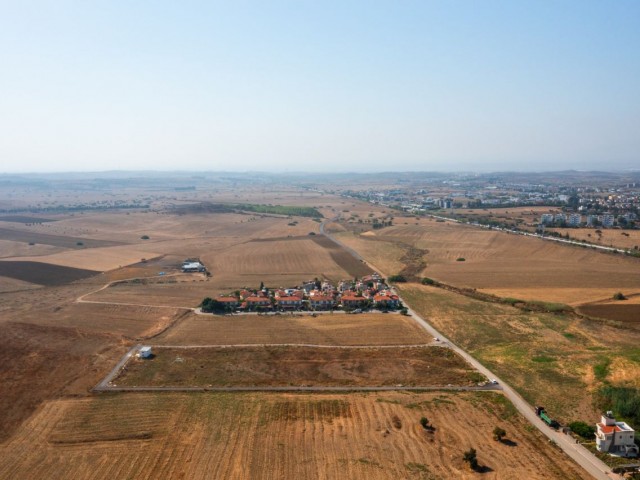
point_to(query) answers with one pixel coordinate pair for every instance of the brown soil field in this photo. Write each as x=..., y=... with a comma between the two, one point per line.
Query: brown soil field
x=43, y=273
x=383, y=256
x=258, y=436
x=628, y=314
x=513, y=265
x=40, y=363
x=325, y=329
x=285, y=366
x=27, y=236
x=342, y=257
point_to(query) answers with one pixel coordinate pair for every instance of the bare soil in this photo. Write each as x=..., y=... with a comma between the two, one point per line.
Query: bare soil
x=43, y=273
x=56, y=240
x=284, y=366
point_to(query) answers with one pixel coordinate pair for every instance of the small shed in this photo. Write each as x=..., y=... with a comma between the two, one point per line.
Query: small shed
x=145, y=352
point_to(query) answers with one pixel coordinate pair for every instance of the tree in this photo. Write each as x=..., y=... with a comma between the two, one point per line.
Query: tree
x=145, y=237
x=471, y=458
x=428, y=281
x=499, y=434
x=397, y=278
x=583, y=429
x=404, y=311
x=261, y=285
x=619, y=296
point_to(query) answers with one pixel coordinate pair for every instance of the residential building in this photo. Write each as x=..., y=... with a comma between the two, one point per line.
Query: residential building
x=254, y=303
x=575, y=220
x=616, y=438
x=546, y=219
x=386, y=300
x=607, y=220
x=289, y=302
x=321, y=302
x=351, y=300
x=229, y=301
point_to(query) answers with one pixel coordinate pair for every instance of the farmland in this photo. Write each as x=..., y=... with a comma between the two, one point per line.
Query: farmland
x=284, y=366
x=43, y=273
x=234, y=436
x=325, y=329
x=502, y=264
x=550, y=358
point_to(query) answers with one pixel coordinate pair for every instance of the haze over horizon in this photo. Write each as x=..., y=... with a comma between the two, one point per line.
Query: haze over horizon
x=330, y=87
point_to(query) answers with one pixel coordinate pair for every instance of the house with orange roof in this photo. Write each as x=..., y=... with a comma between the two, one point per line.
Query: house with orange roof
x=321, y=302
x=615, y=438
x=255, y=302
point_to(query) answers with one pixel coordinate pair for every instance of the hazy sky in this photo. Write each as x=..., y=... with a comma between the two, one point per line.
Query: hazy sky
x=321, y=86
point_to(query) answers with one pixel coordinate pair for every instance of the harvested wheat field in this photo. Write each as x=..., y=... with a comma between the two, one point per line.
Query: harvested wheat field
x=258, y=436
x=325, y=329
x=129, y=321
x=513, y=265
x=298, y=366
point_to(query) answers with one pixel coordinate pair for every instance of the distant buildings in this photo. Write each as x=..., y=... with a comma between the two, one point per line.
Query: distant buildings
x=575, y=220
x=616, y=438
x=546, y=219
x=607, y=220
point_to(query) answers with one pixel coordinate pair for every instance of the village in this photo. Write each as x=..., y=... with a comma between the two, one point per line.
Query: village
x=352, y=296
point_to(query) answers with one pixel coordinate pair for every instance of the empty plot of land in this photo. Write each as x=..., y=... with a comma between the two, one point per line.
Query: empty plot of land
x=11, y=285
x=342, y=257
x=258, y=436
x=291, y=366
x=55, y=240
x=325, y=329
x=43, y=273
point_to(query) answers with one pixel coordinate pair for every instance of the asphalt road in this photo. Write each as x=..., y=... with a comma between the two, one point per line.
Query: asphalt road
x=583, y=457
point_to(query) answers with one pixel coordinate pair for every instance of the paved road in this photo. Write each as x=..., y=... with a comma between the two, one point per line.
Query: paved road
x=577, y=452
x=115, y=371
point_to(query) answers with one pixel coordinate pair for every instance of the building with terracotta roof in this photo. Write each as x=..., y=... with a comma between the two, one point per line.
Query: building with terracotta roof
x=255, y=302
x=386, y=300
x=229, y=301
x=289, y=302
x=616, y=438
x=351, y=300
x=321, y=302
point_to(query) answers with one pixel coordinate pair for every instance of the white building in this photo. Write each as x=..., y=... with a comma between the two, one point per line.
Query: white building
x=616, y=438
x=575, y=220
x=193, y=267
x=560, y=218
x=145, y=352
x=591, y=220
x=607, y=220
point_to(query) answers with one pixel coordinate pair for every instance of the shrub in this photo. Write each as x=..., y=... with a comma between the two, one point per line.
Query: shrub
x=145, y=237
x=428, y=281
x=404, y=311
x=499, y=434
x=79, y=244
x=619, y=296
x=460, y=259
x=471, y=458
x=397, y=278
x=583, y=429
x=424, y=421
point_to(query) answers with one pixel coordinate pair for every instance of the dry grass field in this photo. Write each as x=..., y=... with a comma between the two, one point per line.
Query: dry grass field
x=8, y=285
x=551, y=359
x=298, y=366
x=508, y=265
x=325, y=329
x=608, y=237
x=257, y=436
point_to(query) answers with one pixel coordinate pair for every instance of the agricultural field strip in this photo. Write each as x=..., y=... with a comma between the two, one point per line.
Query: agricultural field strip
x=373, y=388
x=309, y=345
x=577, y=452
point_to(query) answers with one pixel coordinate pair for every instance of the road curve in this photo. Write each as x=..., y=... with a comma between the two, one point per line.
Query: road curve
x=583, y=457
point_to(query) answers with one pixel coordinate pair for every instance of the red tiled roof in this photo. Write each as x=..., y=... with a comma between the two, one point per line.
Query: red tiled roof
x=352, y=298
x=257, y=299
x=606, y=429
x=321, y=298
x=289, y=299
x=227, y=299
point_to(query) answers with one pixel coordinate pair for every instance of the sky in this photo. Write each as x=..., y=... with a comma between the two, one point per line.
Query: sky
x=320, y=86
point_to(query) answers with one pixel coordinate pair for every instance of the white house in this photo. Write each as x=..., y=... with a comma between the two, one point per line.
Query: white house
x=616, y=438
x=145, y=352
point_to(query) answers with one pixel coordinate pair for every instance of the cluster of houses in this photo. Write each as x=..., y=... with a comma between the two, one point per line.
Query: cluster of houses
x=368, y=292
x=606, y=220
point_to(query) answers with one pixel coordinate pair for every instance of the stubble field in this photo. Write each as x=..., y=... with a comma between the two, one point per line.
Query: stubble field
x=267, y=366
x=325, y=329
x=238, y=436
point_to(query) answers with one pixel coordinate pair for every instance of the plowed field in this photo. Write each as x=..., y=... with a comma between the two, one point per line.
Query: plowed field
x=276, y=436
